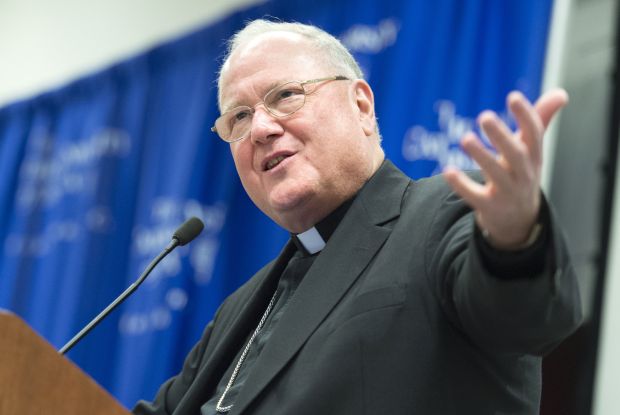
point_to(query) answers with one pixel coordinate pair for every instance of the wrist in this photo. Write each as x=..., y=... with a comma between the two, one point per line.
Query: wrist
x=532, y=237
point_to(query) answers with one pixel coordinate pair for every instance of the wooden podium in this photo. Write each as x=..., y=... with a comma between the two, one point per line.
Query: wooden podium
x=35, y=379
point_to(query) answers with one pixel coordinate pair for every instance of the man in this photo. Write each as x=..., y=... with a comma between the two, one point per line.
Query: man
x=393, y=296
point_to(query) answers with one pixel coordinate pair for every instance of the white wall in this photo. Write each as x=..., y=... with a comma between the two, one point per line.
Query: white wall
x=607, y=383
x=44, y=44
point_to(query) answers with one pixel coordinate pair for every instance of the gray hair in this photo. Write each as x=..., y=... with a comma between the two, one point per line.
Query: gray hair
x=336, y=54
x=332, y=49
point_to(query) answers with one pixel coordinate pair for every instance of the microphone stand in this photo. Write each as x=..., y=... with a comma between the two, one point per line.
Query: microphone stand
x=94, y=322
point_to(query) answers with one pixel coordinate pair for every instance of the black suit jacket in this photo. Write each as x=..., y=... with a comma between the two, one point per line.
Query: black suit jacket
x=397, y=315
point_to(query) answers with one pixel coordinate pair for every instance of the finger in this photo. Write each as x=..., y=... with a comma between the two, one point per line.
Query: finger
x=490, y=165
x=502, y=138
x=550, y=103
x=530, y=124
x=472, y=192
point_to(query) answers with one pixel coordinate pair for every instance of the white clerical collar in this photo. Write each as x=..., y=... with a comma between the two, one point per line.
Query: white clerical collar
x=311, y=240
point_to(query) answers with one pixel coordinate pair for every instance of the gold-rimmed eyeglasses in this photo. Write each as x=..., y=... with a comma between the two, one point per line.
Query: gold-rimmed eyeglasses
x=283, y=100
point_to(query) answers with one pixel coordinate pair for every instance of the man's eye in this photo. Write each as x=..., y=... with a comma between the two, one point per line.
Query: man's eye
x=240, y=116
x=287, y=93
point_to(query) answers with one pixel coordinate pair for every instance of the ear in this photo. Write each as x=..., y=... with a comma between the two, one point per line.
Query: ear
x=365, y=101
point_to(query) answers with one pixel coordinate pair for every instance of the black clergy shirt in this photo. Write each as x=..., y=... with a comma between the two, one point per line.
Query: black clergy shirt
x=291, y=277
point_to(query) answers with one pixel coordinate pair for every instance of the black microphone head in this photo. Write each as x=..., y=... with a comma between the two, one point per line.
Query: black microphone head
x=190, y=229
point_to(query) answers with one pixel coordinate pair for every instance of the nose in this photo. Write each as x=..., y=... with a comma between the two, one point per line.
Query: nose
x=265, y=126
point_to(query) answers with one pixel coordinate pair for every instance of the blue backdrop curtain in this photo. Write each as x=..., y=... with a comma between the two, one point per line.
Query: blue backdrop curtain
x=95, y=176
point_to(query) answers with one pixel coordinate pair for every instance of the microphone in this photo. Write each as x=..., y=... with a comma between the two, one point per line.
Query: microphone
x=190, y=229
x=184, y=234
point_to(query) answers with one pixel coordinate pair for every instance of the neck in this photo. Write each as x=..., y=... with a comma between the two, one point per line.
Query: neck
x=316, y=208
x=309, y=214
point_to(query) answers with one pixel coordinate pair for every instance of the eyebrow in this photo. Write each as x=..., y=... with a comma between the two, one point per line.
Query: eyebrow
x=271, y=86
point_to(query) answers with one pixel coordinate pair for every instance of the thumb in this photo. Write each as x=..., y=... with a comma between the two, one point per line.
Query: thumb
x=550, y=103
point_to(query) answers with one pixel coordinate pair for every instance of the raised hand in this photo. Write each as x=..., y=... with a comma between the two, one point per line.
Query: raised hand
x=507, y=204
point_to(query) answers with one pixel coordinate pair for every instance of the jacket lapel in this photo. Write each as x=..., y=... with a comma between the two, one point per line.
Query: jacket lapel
x=352, y=246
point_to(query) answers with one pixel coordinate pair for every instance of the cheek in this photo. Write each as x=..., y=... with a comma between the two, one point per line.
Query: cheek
x=335, y=132
x=242, y=157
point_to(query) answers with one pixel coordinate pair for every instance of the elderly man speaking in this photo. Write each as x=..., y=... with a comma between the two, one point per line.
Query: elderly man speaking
x=393, y=296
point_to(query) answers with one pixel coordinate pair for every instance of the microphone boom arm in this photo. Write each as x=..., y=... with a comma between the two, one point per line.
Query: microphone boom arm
x=94, y=322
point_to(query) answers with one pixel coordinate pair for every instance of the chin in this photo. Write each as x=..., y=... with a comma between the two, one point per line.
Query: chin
x=289, y=201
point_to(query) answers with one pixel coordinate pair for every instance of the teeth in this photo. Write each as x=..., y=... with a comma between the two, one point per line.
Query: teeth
x=274, y=162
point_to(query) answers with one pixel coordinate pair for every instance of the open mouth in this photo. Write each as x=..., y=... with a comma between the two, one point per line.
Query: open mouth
x=274, y=162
